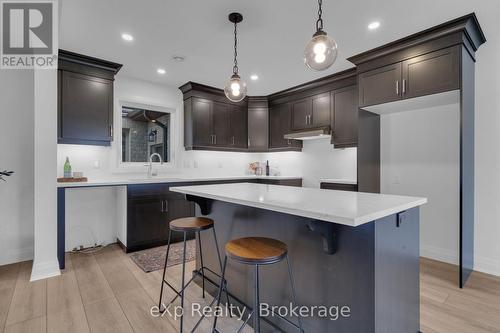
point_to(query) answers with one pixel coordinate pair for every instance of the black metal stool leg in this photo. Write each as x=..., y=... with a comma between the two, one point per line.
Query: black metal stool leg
x=164, y=270
x=202, y=265
x=220, y=263
x=294, y=295
x=222, y=284
x=183, y=278
x=256, y=312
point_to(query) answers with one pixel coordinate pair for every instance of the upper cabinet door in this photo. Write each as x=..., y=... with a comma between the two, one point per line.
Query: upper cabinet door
x=321, y=110
x=258, y=129
x=431, y=73
x=381, y=85
x=86, y=110
x=301, y=114
x=238, y=124
x=279, y=123
x=201, y=115
x=345, y=117
x=221, y=124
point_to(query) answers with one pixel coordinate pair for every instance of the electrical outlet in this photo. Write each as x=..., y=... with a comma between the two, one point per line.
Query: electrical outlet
x=97, y=164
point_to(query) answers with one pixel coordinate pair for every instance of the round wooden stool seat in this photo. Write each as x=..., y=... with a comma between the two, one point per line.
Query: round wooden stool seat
x=256, y=250
x=191, y=224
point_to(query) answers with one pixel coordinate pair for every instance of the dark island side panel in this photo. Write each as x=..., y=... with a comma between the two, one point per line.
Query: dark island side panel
x=348, y=277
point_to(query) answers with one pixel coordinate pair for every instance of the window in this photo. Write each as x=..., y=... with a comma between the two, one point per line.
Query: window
x=145, y=132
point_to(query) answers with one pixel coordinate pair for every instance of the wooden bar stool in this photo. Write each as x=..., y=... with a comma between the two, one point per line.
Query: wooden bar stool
x=188, y=225
x=256, y=251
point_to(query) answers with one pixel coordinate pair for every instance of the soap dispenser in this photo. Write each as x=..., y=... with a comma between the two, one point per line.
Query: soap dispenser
x=67, y=168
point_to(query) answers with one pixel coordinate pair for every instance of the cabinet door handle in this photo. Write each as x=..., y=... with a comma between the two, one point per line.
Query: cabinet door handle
x=404, y=86
x=232, y=140
x=215, y=139
x=397, y=87
x=162, y=209
x=165, y=210
x=110, y=131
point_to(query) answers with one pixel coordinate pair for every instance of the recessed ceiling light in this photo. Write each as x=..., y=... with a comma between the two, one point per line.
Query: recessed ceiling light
x=127, y=37
x=178, y=58
x=254, y=77
x=374, y=25
x=161, y=71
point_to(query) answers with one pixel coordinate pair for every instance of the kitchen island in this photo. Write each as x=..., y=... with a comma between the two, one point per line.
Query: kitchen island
x=359, y=250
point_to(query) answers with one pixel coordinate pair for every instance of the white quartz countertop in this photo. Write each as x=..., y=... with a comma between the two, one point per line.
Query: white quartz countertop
x=116, y=181
x=339, y=181
x=342, y=207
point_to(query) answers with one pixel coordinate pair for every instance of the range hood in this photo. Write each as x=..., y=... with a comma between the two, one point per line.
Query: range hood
x=310, y=133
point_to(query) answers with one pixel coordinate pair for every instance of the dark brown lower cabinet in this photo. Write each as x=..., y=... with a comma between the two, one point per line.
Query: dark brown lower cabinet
x=284, y=182
x=150, y=208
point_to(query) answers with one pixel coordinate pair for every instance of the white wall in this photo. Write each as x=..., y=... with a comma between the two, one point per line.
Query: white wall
x=318, y=160
x=487, y=182
x=16, y=153
x=45, y=263
x=420, y=156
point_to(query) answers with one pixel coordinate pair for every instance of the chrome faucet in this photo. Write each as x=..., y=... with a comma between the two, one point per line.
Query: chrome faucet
x=150, y=165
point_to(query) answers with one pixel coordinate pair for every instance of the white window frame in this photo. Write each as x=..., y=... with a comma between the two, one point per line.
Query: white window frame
x=121, y=166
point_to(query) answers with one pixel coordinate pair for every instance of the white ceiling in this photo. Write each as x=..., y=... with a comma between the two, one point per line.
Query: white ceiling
x=272, y=35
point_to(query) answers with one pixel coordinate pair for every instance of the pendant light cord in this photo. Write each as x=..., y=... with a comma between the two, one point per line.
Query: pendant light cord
x=319, y=22
x=235, y=68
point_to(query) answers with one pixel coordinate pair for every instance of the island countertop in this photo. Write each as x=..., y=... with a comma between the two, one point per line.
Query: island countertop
x=342, y=207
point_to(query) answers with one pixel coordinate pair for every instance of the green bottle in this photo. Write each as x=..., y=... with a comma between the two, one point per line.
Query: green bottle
x=67, y=168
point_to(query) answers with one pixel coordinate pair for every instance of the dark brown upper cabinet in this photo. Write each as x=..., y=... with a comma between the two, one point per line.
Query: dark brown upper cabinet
x=431, y=73
x=258, y=124
x=345, y=117
x=426, y=74
x=321, y=110
x=280, y=119
x=311, y=112
x=238, y=127
x=85, y=99
x=381, y=85
x=211, y=122
x=220, y=124
x=301, y=113
x=199, y=118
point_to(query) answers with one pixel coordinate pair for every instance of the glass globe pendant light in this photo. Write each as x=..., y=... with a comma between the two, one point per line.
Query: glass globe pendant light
x=321, y=51
x=236, y=88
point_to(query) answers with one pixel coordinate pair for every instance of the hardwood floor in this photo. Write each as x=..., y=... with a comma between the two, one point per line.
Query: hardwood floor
x=107, y=292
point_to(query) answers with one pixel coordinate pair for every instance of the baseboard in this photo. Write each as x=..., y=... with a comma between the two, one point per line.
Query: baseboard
x=45, y=270
x=439, y=254
x=487, y=265
x=481, y=264
x=16, y=255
